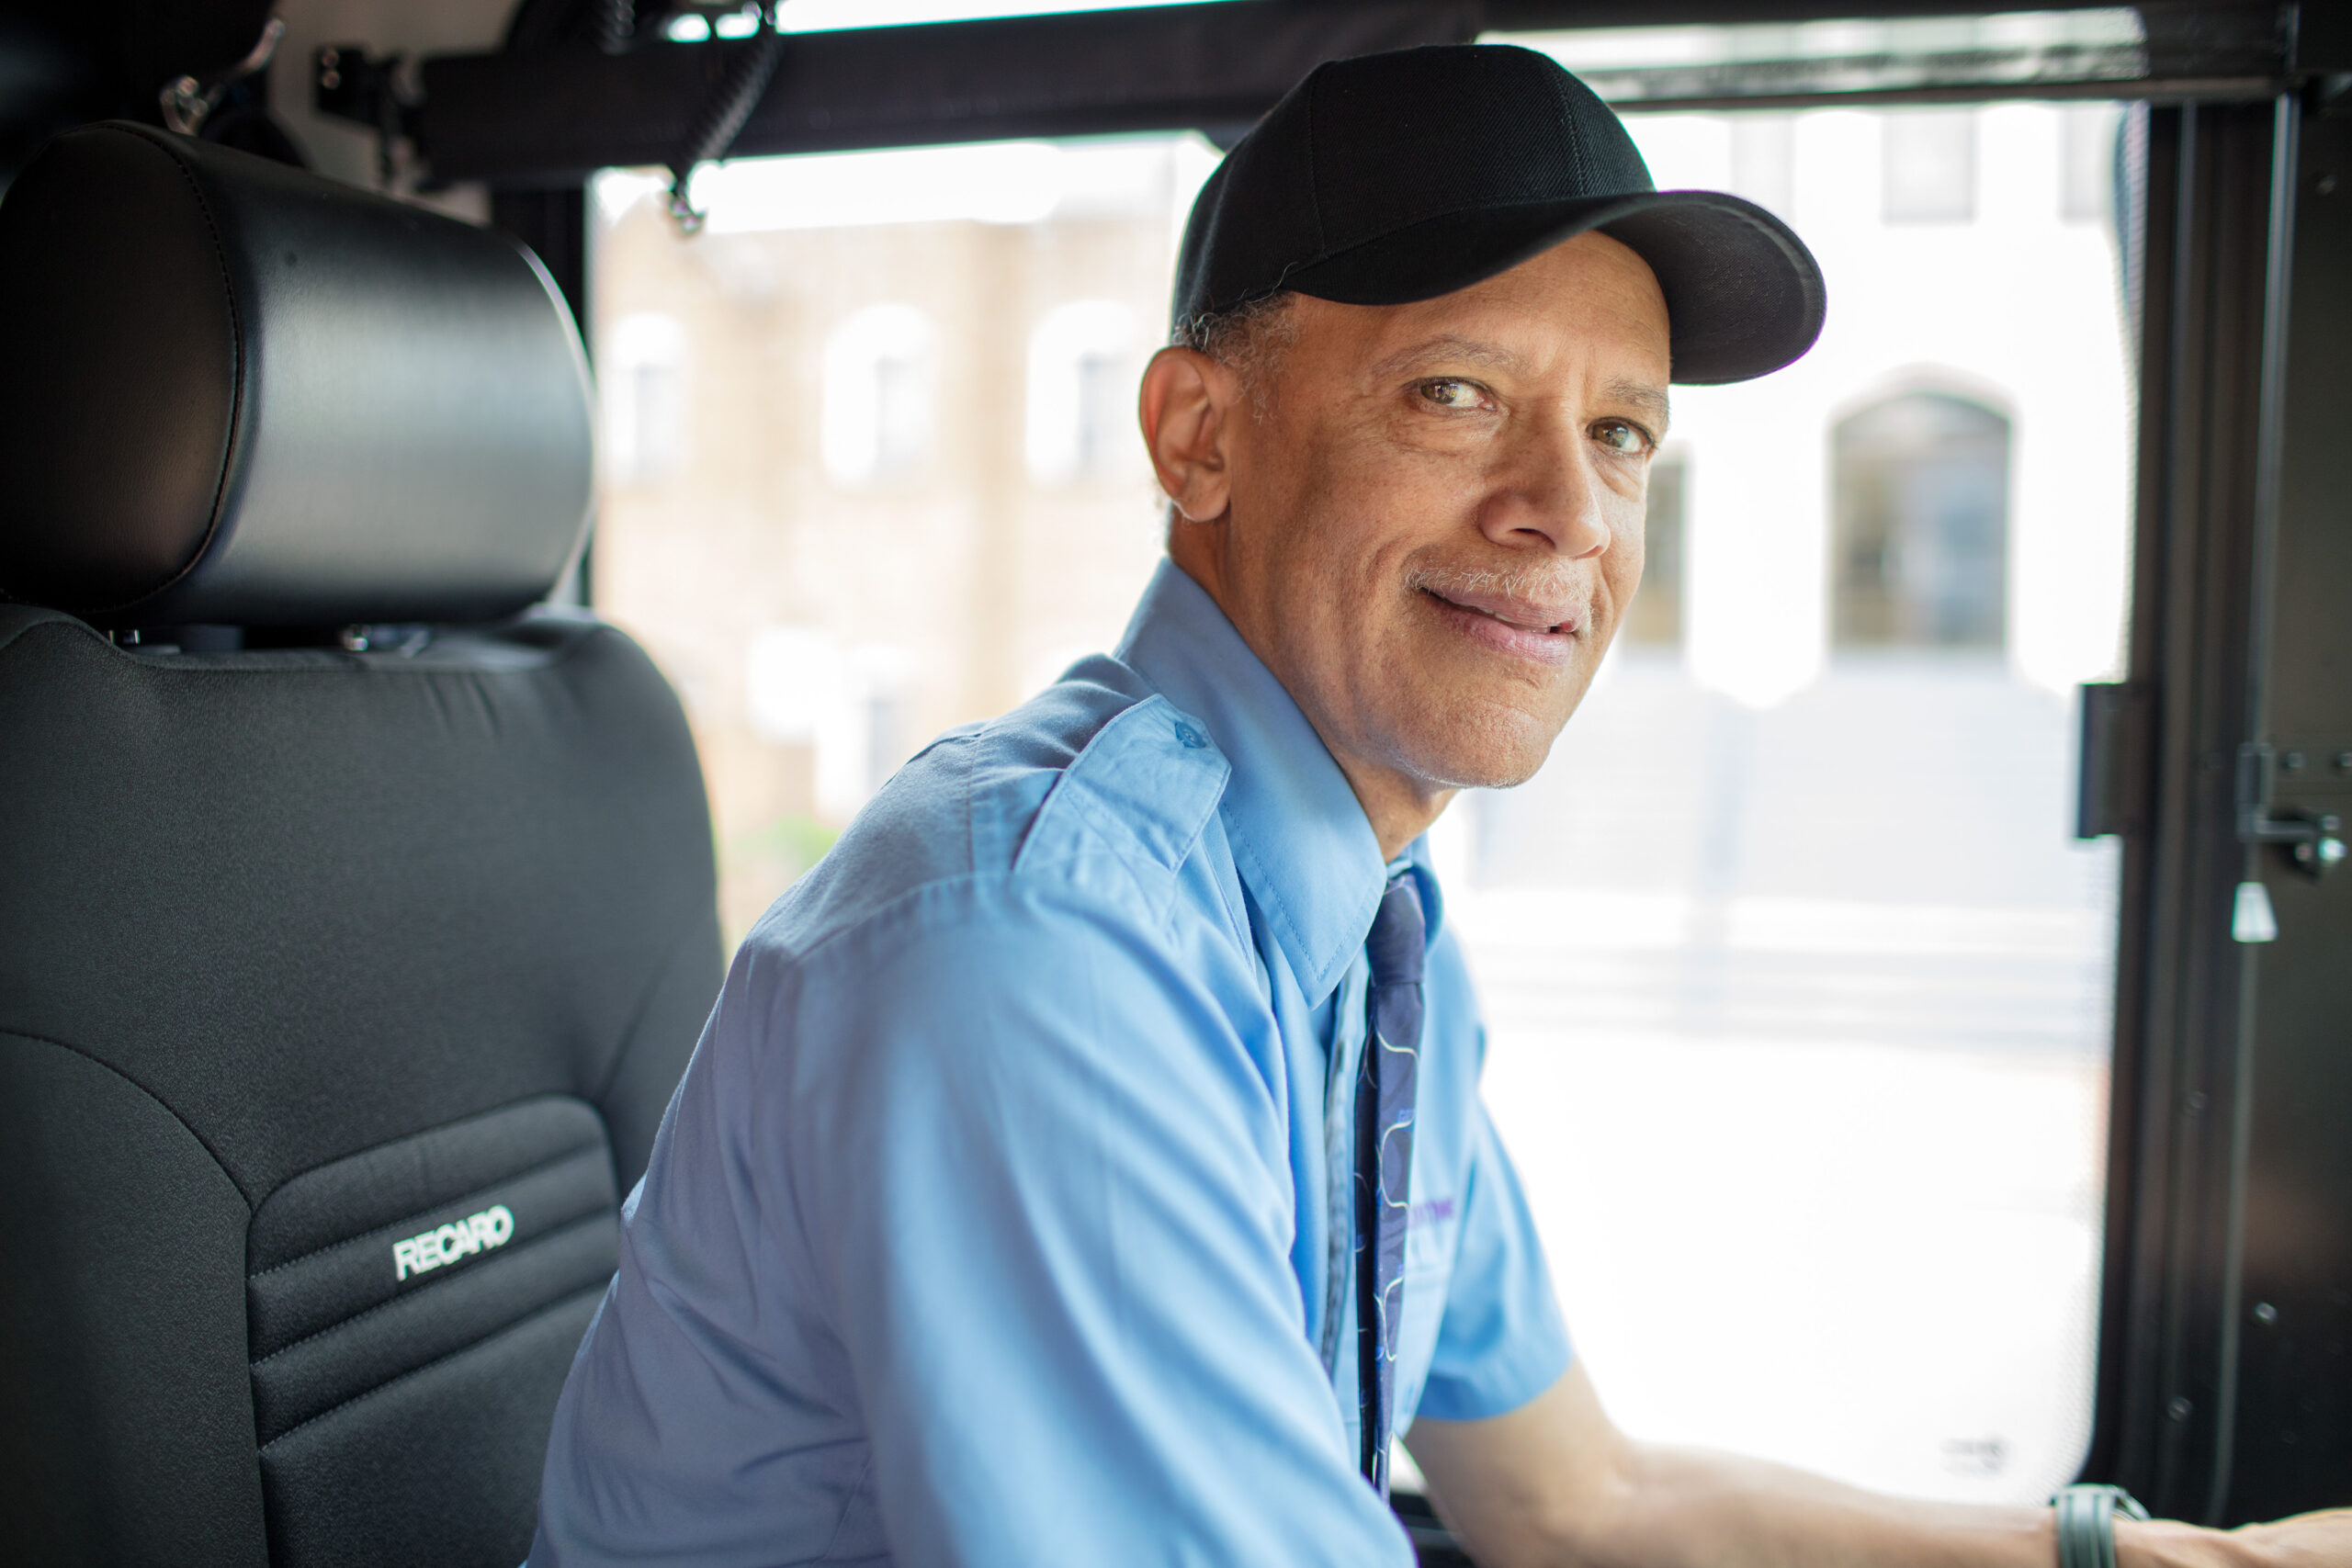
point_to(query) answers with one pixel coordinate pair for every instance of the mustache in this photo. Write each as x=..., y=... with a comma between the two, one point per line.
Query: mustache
x=1553, y=586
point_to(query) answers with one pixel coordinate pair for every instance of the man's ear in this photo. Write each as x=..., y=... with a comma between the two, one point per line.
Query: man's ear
x=1188, y=410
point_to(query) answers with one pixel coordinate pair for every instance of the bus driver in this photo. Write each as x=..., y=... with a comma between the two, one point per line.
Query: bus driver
x=1084, y=1164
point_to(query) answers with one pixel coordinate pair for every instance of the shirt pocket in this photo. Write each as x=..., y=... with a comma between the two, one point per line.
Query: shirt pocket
x=1431, y=1232
x=1431, y=1235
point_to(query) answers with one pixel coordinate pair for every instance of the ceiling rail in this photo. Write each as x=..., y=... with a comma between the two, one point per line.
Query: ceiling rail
x=551, y=117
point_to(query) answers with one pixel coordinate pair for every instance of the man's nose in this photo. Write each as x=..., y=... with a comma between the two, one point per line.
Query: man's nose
x=1547, y=490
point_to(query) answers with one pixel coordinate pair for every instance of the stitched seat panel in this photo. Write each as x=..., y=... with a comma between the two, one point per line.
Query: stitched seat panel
x=369, y=1268
x=427, y=1468
x=401, y=1180
x=344, y=1280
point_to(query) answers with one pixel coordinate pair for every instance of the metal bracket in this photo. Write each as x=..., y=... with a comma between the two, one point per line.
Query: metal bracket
x=187, y=101
x=719, y=120
x=2114, y=758
x=350, y=83
x=2313, y=841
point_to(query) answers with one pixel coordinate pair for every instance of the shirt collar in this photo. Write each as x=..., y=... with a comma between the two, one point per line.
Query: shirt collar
x=1300, y=839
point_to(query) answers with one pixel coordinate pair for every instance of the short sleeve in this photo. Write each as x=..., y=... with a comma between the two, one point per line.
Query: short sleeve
x=1500, y=1341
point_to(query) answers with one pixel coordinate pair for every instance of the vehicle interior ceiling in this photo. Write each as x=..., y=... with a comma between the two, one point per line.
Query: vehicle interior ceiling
x=423, y=654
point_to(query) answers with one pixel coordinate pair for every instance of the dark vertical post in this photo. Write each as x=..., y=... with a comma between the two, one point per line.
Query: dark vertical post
x=554, y=223
x=2176, y=1163
x=2293, y=1420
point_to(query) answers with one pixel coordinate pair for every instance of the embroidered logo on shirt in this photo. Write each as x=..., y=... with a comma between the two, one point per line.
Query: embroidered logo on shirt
x=1428, y=1236
x=446, y=1243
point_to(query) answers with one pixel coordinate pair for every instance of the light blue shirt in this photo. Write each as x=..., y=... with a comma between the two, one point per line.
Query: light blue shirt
x=1003, y=1215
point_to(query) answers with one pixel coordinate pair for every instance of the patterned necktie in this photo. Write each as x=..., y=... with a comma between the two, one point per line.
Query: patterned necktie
x=1392, y=1054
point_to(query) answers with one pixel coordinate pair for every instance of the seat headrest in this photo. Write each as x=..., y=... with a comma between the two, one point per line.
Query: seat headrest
x=234, y=394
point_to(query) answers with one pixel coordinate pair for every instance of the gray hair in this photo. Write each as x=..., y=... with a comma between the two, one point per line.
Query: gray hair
x=1250, y=337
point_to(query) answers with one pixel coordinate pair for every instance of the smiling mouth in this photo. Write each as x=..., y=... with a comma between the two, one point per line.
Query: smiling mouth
x=1526, y=622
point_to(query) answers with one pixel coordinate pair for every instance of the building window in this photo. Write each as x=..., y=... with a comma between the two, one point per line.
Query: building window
x=881, y=396
x=1930, y=166
x=644, y=392
x=803, y=687
x=2087, y=170
x=1654, y=618
x=1082, y=393
x=1922, y=514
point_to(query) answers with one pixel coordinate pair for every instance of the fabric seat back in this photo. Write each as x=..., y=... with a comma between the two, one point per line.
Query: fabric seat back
x=357, y=920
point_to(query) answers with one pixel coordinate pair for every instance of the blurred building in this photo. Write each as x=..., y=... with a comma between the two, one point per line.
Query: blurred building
x=870, y=461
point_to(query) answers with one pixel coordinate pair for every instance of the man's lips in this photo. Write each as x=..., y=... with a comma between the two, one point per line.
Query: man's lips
x=1511, y=623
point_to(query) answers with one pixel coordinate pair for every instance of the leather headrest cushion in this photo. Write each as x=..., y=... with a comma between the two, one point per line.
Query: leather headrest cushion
x=234, y=394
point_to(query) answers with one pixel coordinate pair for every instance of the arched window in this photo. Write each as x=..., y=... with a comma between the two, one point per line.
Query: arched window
x=1082, y=391
x=881, y=395
x=645, y=414
x=803, y=687
x=1922, y=522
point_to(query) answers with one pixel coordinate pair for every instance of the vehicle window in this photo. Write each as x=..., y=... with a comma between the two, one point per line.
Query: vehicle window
x=912, y=491
x=1798, y=988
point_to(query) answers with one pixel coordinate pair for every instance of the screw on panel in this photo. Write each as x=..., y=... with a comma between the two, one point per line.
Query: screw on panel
x=2181, y=1408
x=2265, y=1313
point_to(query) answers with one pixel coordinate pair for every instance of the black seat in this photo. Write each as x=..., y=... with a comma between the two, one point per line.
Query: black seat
x=357, y=920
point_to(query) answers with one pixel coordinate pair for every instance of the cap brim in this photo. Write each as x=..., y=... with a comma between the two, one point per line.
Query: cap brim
x=1743, y=294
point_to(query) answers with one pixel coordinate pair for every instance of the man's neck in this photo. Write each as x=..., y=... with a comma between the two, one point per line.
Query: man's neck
x=1399, y=809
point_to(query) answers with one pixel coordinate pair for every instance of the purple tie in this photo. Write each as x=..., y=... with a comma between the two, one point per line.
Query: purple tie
x=1392, y=1054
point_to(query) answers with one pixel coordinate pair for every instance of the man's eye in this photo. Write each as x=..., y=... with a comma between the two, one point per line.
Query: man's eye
x=1451, y=394
x=1620, y=437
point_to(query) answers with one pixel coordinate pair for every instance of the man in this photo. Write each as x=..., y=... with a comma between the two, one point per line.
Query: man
x=1084, y=1165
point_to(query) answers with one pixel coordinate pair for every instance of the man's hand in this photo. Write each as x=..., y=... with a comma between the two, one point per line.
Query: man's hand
x=1556, y=1484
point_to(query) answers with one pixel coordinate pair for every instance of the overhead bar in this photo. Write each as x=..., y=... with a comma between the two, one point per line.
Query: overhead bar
x=551, y=116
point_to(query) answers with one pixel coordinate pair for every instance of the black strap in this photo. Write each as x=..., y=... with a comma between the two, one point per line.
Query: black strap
x=721, y=115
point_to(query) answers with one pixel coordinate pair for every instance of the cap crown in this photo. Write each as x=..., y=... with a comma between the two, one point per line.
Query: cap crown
x=1365, y=148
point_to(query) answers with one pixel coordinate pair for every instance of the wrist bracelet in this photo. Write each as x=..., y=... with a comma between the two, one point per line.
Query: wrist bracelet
x=2086, y=1523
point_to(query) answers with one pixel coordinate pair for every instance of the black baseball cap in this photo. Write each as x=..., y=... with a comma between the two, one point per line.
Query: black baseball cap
x=1400, y=177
